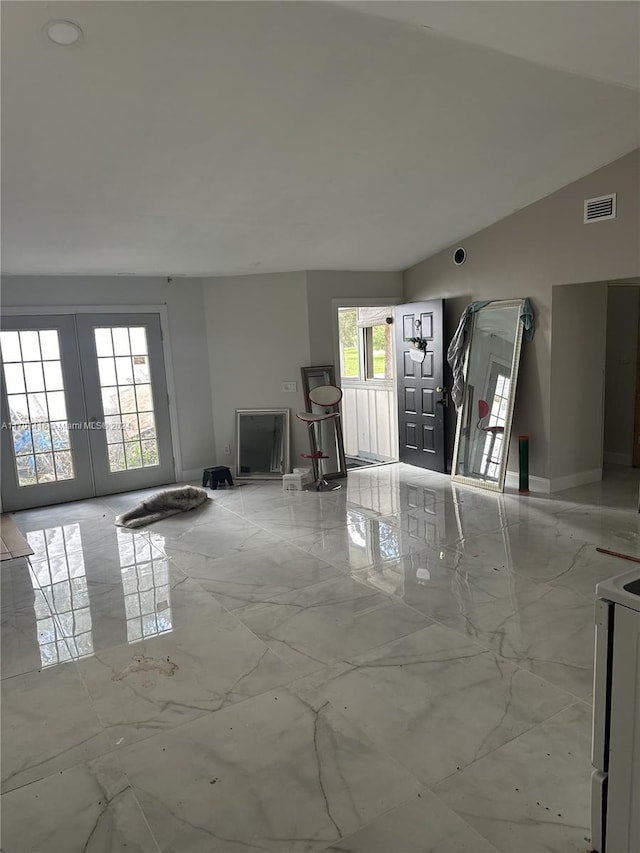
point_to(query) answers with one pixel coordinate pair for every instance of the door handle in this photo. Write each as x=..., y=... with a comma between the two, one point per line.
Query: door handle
x=445, y=396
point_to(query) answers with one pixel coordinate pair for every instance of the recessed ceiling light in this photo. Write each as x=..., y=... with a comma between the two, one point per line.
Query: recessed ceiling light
x=63, y=32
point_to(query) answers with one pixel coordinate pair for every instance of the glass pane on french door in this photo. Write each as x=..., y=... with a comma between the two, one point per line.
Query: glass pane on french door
x=126, y=399
x=45, y=450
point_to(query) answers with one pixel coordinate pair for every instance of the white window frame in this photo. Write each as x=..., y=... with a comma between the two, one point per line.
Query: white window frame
x=362, y=381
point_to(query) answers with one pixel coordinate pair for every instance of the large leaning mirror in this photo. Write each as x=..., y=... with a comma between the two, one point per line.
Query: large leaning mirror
x=491, y=372
x=262, y=443
x=327, y=434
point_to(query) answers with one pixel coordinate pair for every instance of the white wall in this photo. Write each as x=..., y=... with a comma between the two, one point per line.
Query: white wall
x=263, y=328
x=234, y=340
x=526, y=254
x=187, y=335
x=579, y=331
x=258, y=335
x=623, y=305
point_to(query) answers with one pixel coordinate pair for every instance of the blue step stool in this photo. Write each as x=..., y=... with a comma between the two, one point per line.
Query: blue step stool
x=219, y=474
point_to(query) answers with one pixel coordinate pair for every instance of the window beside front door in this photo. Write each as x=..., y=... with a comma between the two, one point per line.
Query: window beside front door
x=366, y=343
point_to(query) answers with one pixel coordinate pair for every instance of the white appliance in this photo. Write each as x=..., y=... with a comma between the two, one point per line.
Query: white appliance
x=615, y=753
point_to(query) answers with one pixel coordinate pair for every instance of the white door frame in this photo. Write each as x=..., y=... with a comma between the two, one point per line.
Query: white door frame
x=361, y=302
x=160, y=309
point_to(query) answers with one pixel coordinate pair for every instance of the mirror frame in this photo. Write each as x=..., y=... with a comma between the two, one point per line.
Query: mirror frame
x=498, y=485
x=327, y=373
x=287, y=444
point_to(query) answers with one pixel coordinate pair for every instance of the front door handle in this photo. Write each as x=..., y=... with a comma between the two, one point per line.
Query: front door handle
x=445, y=396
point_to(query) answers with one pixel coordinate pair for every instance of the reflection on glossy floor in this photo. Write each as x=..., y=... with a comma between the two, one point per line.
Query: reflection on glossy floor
x=399, y=666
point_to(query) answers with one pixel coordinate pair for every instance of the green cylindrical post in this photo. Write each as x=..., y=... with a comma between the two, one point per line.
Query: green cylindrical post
x=523, y=450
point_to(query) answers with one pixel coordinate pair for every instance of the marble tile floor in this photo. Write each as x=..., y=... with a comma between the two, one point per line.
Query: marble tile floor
x=401, y=666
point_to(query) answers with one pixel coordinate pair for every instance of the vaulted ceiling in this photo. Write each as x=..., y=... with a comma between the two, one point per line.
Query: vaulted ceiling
x=210, y=138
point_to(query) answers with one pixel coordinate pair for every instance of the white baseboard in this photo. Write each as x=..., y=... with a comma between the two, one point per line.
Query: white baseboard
x=570, y=481
x=542, y=485
x=618, y=458
x=189, y=474
x=539, y=485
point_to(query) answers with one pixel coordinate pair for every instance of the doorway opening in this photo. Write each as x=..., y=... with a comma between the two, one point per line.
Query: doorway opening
x=621, y=445
x=368, y=379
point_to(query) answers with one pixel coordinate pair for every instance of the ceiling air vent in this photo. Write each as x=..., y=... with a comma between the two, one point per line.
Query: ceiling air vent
x=597, y=209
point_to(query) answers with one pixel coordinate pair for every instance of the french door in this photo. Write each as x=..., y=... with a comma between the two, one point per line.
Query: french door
x=84, y=407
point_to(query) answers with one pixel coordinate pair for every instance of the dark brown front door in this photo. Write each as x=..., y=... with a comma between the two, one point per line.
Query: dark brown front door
x=421, y=398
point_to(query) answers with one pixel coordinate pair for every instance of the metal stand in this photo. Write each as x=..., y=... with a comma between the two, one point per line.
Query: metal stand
x=319, y=482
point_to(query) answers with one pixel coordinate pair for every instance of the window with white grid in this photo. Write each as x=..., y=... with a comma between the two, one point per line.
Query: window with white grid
x=370, y=539
x=492, y=451
x=37, y=406
x=145, y=582
x=58, y=568
x=127, y=399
